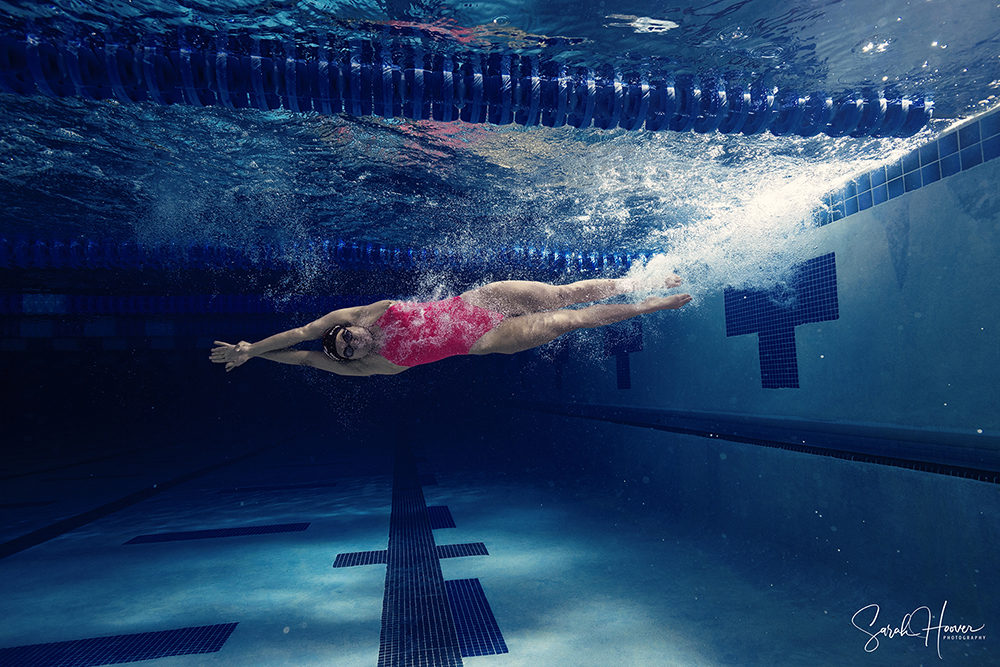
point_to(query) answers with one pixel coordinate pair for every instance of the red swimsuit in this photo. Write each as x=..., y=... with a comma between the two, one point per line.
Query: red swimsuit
x=419, y=333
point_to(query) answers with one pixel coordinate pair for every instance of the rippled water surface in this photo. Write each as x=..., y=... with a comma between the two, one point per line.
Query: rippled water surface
x=72, y=168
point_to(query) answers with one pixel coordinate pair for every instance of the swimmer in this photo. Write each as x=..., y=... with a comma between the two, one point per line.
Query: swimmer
x=388, y=337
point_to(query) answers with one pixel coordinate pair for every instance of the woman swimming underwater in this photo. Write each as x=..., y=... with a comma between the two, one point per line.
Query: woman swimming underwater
x=388, y=337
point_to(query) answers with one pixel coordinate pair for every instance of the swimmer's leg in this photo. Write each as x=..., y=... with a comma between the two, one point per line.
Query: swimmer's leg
x=516, y=334
x=518, y=297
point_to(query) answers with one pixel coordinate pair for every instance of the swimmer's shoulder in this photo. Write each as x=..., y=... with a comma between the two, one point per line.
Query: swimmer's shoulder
x=368, y=315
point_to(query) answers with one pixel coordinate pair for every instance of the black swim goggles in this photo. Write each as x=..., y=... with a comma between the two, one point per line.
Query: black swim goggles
x=330, y=343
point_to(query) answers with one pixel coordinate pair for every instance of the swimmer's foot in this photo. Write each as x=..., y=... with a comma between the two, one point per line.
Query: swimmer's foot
x=655, y=303
x=673, y=280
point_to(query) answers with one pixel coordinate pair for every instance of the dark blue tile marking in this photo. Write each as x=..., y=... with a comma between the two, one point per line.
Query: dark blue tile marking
x=361, y=558
x=357, y=558
x=911, y=181
x=440, y=517
x=119, y=649
x=41, y=535
x=478, y=632
x=911, y=162
x=850, y=190
x=623, y=371
x=417, y=625
x=461, y=550
x=620, y=340
x=279, y=487
x=220, y=532
x=811, y=296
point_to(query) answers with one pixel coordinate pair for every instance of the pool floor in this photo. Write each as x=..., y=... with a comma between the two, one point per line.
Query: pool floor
x=569, y=577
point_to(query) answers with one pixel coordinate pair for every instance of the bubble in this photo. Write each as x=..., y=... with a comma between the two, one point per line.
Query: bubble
x=501, y=20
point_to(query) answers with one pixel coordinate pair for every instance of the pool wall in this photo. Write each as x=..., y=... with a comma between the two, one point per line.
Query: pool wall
x=912, y=343
x=911, y=358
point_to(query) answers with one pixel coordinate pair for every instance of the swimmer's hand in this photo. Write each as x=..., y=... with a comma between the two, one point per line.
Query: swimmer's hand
x=230, y=355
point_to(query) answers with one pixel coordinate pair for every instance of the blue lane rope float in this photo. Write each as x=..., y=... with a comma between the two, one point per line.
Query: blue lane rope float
x=398, y=78
x=26, y=253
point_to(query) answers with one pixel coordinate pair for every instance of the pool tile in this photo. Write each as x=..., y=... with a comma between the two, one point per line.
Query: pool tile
x=969, y=135
x=477, y=629
x=894, y=170
x=911, y=181
x=440, y=517
x=990, y=124
x=864, y=182
x=878, y=176
x=880, y=195
x=948, y=144
x=991, y=147
x=928, y=153
x=120, y=648
x=865, y=200
x=837, y=212
x=972, y=156
x=761, y=312
x=895, y=187
x=911, y=162
x=951, y=165
x=930, y=173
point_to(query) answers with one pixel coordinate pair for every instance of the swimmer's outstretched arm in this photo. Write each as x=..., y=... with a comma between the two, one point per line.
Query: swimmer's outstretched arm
x=320, y=361
x=237, y=355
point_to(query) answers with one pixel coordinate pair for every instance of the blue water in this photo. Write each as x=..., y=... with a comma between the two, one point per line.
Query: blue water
x=658, y=539
x=151, y=172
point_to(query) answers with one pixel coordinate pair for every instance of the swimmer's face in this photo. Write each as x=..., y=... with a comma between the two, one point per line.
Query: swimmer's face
x=358, y=339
